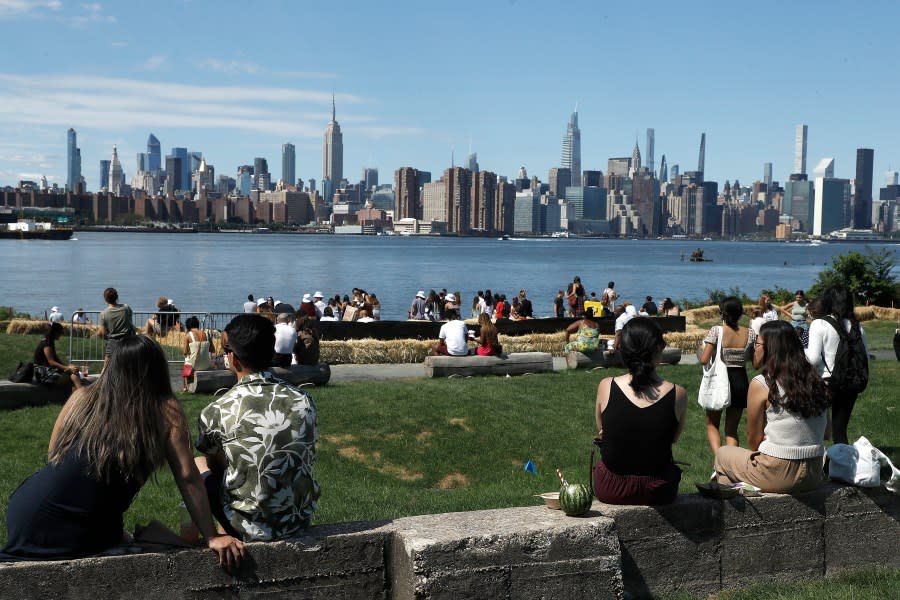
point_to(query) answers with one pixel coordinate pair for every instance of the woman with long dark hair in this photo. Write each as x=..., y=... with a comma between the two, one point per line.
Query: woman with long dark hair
x=786, y=418
x=108, y=440
x=48, y=368
x=737, y=348
x=837, y=311
x=639, y=417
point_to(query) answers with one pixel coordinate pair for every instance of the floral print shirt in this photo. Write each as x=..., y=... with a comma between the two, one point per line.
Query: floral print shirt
x=267, y=431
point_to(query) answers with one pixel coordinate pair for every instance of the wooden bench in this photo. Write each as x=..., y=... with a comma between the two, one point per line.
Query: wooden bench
x=208, y=382
x=516, y=363
x=17, y=395
x=581, y=360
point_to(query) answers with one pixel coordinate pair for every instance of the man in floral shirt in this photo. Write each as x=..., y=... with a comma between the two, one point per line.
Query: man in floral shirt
x=259, y=442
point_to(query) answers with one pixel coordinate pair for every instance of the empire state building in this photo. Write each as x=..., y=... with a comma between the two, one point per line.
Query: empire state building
x=333, y=151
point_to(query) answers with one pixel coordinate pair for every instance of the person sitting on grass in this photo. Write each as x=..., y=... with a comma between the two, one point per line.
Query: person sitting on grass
x=453, y=336
x=259, y=442
x=786, y=418
x=108, y=440
x=48, y=369
x=639, y=417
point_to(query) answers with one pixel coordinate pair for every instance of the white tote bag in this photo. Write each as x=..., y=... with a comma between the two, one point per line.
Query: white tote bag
x=715, y=391
x=861, y=464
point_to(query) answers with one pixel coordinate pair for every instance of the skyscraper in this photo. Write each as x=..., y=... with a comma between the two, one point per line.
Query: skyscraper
x=407, y=204
x=288, y=164
x=571, y=148
x=116, y=176
x=862, y=198
x=701, y=162
x=560, y=179
x=635, y=159
x=767, y=176
x=663, y=170
x=154, y=155
x=73, y=162
x=458, y=196
x=104, y=175
x=830, y=197
x=370, y=178
x=651, y=134
x=472, y=162
x=800, y=149
x=333, y=150
x=183, y=179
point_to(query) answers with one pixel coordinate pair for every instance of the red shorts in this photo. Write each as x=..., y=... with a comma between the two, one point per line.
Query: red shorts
x=647, y=490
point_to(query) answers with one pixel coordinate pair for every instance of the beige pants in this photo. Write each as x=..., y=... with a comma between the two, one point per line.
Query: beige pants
x=769, y=474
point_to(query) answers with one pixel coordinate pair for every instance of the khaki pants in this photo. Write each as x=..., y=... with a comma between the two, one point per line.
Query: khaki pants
x=769, y=474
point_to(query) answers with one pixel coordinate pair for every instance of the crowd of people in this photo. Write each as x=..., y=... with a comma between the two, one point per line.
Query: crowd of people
x=360, y=305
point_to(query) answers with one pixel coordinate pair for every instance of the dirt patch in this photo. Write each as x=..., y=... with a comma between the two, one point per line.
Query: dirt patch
x=452, y=481
x=459, y=422
x=338, y=438
x=374, y=461
x=423, y=436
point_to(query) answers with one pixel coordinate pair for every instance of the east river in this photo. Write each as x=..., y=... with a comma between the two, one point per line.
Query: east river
x=215, y=272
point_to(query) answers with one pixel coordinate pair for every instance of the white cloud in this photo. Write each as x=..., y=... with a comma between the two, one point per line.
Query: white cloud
x=154, y=63
x=118, y=104
x=231, y=67
x=21, y=8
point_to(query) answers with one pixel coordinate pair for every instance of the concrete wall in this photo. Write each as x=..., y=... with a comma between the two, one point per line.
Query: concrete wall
x=695, y=545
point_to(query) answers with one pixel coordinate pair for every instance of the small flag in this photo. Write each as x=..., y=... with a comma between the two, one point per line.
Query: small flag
x=531, y=467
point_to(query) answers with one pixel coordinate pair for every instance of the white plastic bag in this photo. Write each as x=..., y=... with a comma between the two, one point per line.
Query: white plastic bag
x=715, y=391
x=860, y=464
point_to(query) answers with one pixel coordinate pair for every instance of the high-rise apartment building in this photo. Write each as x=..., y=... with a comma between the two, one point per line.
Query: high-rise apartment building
x=560, y=178
x=571, y=148
x=651, y=142
x=434, y=202
x=800, y=135
x=458, y=186
x=484, y=190
x=73, y=160
x=116, y=175
x=862, y=197
x=407, y=204
x=333, y=151
x=831, y=197
x=154, y=154
x=288, y=164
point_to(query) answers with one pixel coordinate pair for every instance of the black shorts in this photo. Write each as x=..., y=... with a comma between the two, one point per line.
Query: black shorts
x=737, y=380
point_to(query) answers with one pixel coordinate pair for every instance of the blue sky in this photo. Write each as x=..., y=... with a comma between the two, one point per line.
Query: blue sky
x=414, y=80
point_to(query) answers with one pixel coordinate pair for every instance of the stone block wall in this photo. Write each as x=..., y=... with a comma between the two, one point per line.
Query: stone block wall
x=695, y=545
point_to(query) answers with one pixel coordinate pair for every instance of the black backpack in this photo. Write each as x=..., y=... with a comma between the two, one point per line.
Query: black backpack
x=850, y=371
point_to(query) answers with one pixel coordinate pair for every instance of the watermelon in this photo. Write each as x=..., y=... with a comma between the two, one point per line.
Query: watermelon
x=575, y=499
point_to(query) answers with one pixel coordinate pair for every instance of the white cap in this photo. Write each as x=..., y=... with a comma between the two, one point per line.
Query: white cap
x=171, y=301
x=54, y=309
x=307, y=298
x=261, y=301
x=420, y=294
x=277, y=302
x=450, y=298
x=318, y=295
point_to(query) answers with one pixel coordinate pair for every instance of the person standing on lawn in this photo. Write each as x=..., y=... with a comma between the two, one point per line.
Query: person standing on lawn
x=259, y=442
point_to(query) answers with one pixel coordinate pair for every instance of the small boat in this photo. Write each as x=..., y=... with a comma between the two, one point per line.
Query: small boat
x=26, y=229
x=697, y=256
x=503, y=238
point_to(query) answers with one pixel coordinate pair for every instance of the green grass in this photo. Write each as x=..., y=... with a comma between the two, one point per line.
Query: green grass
x=427, y=446
x=876, y=584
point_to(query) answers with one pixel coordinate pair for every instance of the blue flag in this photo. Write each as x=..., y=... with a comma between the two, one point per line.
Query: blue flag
x=531, y=467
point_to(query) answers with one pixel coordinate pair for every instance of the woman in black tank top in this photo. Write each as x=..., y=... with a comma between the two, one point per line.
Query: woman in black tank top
x=639, y=416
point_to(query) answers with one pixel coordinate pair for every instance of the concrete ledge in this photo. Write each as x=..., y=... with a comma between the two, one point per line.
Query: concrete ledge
x=582, y=360
x=516, y=363
x=208, y=382
x=695, y=545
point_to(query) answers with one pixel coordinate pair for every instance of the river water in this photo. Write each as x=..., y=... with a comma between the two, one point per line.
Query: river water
x=215, y=272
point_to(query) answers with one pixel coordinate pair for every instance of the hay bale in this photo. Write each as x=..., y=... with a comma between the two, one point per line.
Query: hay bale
x=684, y=341
x=34, y=327
x=885, y=313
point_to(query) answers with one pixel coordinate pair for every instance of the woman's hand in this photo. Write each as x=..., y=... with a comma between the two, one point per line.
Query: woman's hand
x=229, y=550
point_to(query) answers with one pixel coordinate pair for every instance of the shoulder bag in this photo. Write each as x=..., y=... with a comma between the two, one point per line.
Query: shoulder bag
x=715, y=391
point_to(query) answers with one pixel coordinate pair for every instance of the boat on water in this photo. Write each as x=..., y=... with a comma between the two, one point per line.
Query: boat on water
x=27, y=229
x=504, y=237
x=697, y=256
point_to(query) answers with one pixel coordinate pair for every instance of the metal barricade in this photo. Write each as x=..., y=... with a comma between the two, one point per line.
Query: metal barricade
x=87, y=348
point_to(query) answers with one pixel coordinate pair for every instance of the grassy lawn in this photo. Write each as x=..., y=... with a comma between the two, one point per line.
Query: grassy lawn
x=428, y=446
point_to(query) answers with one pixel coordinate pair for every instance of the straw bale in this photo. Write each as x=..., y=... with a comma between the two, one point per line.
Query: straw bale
x=34, y=327
x=685, y=341
x=886, y=314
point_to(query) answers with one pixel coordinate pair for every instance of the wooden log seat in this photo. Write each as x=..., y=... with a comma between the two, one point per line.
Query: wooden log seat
x=208, y=382
x=516, y=363
x=582, y=360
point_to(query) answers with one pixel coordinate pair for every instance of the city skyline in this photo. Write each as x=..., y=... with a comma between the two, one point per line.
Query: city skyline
x=95, y=73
